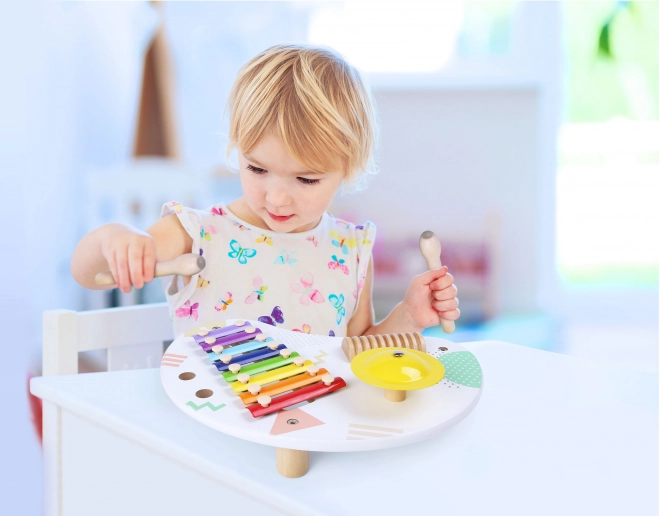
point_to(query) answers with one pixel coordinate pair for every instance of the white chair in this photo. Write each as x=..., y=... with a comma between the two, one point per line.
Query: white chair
x=134, y=337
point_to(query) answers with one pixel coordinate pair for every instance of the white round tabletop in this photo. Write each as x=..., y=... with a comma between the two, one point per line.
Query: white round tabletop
x=354, y=418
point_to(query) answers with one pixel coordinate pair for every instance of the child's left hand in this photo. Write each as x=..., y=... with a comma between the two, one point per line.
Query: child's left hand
x=431, y=296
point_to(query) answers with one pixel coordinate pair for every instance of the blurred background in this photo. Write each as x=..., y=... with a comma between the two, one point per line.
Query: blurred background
x=525, y=134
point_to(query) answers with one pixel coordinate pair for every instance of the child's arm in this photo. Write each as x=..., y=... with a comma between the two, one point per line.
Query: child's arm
x=430, y=297
x=128, y=253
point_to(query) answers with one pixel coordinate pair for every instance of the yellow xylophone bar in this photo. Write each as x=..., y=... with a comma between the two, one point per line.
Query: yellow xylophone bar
x=284, y=386
x=272, y=376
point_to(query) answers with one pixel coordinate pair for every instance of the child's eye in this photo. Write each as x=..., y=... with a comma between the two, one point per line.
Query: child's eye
x=256, y=170
x=306, y=181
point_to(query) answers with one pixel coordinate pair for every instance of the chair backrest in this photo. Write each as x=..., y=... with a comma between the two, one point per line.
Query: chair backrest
x=135, y=192
x=133, y=336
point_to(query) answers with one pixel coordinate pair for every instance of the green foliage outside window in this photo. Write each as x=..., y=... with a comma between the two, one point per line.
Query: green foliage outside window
x=607, y=169
x=612, y=60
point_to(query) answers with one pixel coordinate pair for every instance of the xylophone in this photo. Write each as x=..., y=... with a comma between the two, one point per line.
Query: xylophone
x=266, y=375
x=208, y=385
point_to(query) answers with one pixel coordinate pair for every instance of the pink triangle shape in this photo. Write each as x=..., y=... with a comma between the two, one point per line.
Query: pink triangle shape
x=280, y=426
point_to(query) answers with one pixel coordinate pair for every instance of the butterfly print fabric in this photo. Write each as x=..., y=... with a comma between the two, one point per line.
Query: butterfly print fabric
x=308, y=282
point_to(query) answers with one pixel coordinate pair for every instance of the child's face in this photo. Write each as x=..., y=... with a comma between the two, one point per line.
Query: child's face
x=280, y=191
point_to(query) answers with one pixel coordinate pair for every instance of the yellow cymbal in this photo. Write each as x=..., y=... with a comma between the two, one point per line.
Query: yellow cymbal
x=398, y=369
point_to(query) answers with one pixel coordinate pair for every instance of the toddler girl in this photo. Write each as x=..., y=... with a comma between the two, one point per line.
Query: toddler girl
x=303, y=125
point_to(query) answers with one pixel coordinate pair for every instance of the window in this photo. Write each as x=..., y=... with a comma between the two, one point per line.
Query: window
x=608, y=174
x=411, y=36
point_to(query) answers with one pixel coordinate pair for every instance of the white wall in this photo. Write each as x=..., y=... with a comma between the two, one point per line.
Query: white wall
x=454, y=161
x=67, y=101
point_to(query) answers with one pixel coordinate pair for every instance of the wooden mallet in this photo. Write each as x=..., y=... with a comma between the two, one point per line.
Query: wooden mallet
x=185, y=265
x=429, y=245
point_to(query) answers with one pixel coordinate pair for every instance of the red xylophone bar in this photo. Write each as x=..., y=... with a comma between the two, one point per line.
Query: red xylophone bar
x=297, y=396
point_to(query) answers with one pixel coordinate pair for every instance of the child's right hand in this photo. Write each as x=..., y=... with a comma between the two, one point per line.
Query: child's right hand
x=131, y=256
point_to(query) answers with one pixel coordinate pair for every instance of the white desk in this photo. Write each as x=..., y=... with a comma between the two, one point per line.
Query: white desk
x=580, y=438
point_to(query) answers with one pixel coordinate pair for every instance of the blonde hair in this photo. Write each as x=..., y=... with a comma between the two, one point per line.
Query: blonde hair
x=314, y=101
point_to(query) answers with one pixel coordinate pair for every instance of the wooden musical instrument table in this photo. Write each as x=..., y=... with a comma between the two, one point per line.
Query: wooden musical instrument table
x=354, y=418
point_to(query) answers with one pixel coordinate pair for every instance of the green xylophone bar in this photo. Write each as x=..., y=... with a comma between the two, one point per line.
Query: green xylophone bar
x=262, y=366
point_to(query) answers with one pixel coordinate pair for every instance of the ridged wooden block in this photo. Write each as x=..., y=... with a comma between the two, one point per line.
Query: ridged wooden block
x=355, y=345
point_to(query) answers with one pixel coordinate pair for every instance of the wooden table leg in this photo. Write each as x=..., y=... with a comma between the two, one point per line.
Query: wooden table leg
x=291, y=463
x=395, y=395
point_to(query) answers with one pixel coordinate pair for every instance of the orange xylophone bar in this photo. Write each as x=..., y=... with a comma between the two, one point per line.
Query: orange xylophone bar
x=297, y=396
x=275, y=388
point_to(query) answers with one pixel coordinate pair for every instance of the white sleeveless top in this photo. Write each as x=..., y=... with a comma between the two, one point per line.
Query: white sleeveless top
x=308, y=282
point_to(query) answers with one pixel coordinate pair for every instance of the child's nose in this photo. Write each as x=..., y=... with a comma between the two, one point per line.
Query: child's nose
x=278, y=197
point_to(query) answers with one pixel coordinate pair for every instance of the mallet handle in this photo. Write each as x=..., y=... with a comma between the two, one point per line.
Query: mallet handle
x=429, y=245
x=185, y=265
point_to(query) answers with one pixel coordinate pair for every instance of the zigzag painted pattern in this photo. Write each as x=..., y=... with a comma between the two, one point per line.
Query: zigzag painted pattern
x=319, y=358
x=207, y=404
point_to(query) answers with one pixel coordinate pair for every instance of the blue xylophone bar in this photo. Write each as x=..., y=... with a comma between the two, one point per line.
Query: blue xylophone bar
x=262, y=354
x=251, y=345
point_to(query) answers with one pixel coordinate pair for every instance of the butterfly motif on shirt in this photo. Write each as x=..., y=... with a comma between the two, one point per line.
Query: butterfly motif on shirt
x=338, y=263
x=207, y=231
x=306, y=291
x=338, y=303
x=202, y=283
x=218, y=210
x=175, y=206
x=331, y=333
x=188, y=310
x=240, y=253
x=264, y=239
x=286, y=257
x=359, y=286
x=276, y=316
x=313, y=240
x=241, y=226
x=305, y=329
x=258, y=294
x=223, y=304
x=343, y=243
x=343, y=224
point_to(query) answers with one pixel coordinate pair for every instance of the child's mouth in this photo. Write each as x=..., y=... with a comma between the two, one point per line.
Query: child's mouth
x=279, y=218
